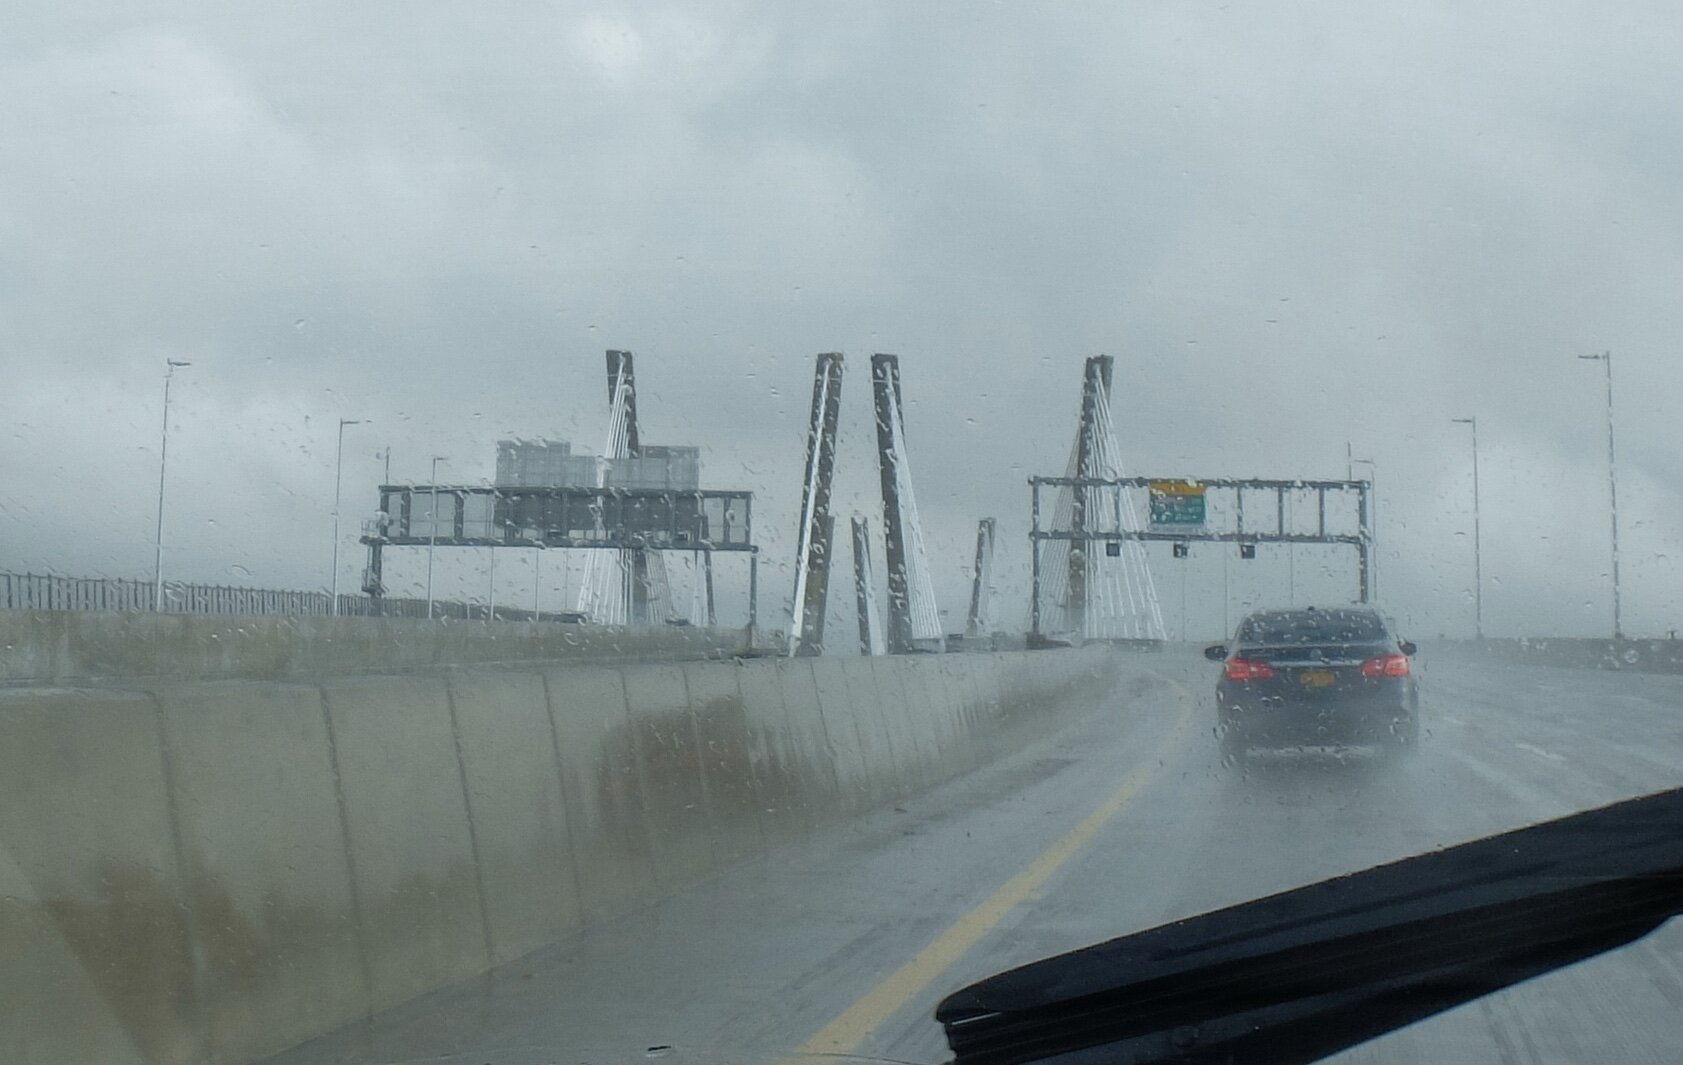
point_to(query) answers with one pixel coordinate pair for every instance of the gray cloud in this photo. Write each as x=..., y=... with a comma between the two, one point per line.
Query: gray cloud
x=1293, y=229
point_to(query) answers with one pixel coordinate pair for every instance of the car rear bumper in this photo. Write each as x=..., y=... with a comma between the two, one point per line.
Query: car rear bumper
x=1295, y=724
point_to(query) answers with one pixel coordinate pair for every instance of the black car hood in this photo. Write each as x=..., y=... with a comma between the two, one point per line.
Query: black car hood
x=1296, y=976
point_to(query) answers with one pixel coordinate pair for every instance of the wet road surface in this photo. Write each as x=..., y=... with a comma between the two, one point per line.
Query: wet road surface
x=838, y=947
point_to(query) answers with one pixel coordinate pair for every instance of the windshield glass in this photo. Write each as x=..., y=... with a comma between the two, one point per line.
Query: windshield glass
x=1296, y=628
x=545, y=532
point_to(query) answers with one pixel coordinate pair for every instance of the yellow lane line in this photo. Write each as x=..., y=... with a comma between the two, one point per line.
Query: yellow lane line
x=850, y=1028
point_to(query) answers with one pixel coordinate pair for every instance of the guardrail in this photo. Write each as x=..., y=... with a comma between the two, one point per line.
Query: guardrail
x=45, y=591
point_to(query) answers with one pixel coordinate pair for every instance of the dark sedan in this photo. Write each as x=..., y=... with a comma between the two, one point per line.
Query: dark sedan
x=1332, y=677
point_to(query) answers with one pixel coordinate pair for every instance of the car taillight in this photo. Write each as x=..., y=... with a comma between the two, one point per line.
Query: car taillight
x=1387, y=666
x=1246, y=669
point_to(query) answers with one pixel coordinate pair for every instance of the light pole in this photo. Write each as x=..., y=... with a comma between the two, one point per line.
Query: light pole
x=537, y=577
x=1478, y=542
x=1291, y=562
x=1182, y=568
x=1606, y=359
x=170, y=366
x=338, y=476
x=432, y=528
x=491, y=591
x=1226, y=602
x=1371, y=521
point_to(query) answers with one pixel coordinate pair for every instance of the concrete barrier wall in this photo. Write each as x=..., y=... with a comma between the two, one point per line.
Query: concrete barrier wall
x=211, y=872
x=1641, y=656
x=265, y=880
x=74, y=647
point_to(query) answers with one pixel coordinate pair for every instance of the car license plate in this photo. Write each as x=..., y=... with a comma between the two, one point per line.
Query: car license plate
x=1316, y=678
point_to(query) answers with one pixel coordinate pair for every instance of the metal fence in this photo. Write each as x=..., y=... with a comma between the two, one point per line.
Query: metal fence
x=43, y=591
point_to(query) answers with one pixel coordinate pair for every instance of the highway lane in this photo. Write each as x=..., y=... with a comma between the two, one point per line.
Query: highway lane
x=838, y=947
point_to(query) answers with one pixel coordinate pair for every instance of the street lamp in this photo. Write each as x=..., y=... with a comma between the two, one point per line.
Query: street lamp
x=170, y=366
x=1478, y=543
x=537, y=577
x=338, y=476
x=1371, y=518
x=1606, y=359
x=432, y=532
x=491, y=601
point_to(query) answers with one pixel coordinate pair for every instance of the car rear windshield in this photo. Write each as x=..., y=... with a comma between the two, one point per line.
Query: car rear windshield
x=1305, y=627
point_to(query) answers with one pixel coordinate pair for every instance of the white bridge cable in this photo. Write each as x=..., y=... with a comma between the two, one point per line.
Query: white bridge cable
x=657, y=584
x=1056, y=615
x=604, y=589
x=698, y=590
x=1113, y=605
x=920, y=586
x=1117, y=609
x=1121, y=596
x=1145, y=613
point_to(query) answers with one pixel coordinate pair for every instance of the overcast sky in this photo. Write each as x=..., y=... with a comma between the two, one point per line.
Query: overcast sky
x=1293, y=226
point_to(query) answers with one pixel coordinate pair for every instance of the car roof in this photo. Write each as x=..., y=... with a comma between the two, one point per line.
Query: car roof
x=1288, y=617
x=1311, y=611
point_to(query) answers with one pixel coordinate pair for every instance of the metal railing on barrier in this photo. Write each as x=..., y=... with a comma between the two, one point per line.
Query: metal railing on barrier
x=46, y=591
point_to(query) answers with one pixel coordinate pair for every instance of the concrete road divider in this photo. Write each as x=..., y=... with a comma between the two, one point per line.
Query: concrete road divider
x=675, y=805
x=601, y=790
x=95, y=958
x=412, y=853
x=788, y=791
x=515, y=807
x=843, y=745
x=264, y=867
x=205, y=873
x=731, y=778
x=1636, y=656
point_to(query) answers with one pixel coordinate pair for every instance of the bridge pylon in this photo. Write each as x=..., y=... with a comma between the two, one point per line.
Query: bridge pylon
x=914, y=620
x=812, y=561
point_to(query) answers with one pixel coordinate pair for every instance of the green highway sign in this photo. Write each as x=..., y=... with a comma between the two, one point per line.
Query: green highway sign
x=1177, y=504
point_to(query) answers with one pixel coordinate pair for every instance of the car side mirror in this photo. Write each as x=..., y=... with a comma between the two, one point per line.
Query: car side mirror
x=1216, y=652
x=1407, y=647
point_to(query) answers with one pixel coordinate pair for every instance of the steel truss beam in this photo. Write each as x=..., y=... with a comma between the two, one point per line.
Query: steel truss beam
x=632, y=518
x=1086, y=532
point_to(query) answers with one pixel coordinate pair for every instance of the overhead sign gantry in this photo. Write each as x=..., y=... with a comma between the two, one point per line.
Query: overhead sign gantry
x=1177, y=519
x=636, y=522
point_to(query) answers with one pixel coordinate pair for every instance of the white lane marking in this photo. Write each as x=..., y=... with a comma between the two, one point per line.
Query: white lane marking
x=1539, y=752
x=1539, y=805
